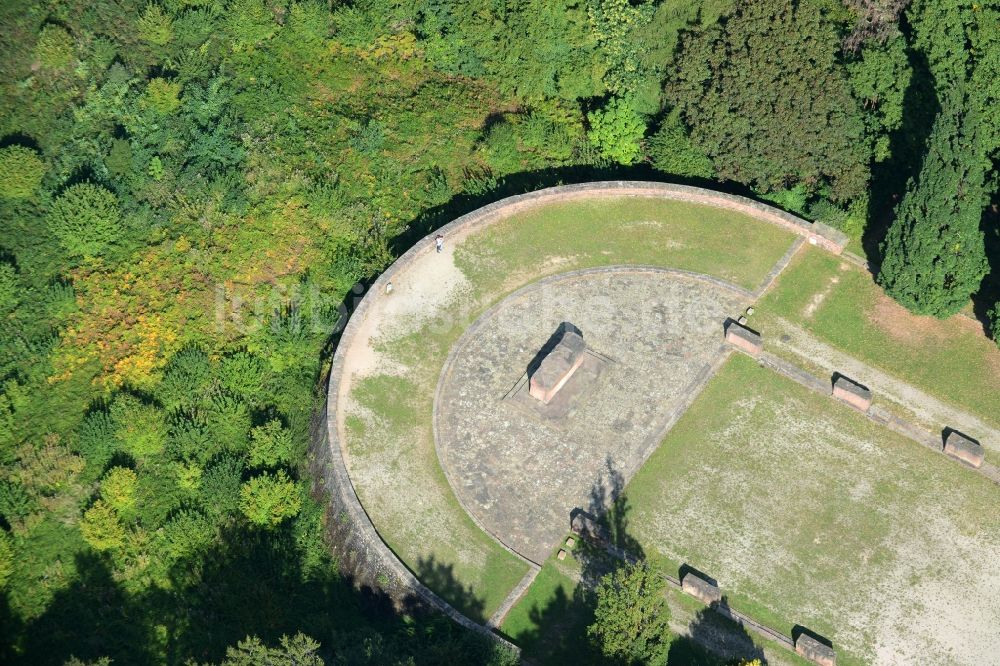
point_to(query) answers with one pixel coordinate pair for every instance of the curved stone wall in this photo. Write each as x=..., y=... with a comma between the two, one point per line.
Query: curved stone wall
x=362, y=552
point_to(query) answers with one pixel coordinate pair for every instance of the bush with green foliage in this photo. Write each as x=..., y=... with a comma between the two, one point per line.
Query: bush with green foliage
x=85, y=219
x=243, y=375
x=118, y=489
x=185, y=535
x=186, y=380
x=617, y=130
x=102, y=528
x=16, y=503
x=6, y=558
x=615, y=24
x=55, y=47
x=250, y=23
x=270, y=445
x=155, y=25
x=9, y=297
x=298, y=650
x=934, y=257
x=220, y=485
x=794, y=199
x=548, y=138
x=631, y=620
x=269, y=499
x=500, y=149
x=747, y=89
x=162, y=96
x=671, y=151
x=21, y=172
x=140, y=427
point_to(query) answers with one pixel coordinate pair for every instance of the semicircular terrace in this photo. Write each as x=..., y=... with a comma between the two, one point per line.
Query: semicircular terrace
x=521, y=466
x=446, y=492
x=401, y=521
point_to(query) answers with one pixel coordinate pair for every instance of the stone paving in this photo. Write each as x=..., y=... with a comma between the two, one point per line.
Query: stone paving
x=520, y=473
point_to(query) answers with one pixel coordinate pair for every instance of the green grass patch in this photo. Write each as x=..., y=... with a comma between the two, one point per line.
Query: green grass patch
x=462, y=563
x=550, y=621
x=951, y=359
x=808, y=512
x=624, y=230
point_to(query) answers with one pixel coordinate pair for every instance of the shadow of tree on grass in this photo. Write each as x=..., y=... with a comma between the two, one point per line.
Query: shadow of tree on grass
x=558, y=633
x=724, y=638
x=441, y=578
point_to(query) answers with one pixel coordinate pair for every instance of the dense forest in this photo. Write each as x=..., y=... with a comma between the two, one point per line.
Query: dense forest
x=190, y=189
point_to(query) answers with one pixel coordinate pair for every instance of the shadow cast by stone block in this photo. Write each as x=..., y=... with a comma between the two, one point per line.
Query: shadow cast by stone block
x=839, y=375
x=732, y=322
x=550, y=344
x=947, y=431
x=798, y=630
x=686, y=569
x=714, y=630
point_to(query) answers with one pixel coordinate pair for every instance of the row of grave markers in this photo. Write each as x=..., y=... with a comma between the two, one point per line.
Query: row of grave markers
x=956, y=445
x=806, y=643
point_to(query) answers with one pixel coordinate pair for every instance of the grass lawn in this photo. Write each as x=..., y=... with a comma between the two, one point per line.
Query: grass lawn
x=389, y=434
x=626, y=230
x=809, y=513
x=840, y=304
x=550, y=621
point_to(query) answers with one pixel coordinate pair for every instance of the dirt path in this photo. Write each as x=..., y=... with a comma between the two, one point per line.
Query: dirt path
x=930, y=411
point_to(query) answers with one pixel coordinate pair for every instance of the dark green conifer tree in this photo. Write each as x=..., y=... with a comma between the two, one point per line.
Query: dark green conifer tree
x=933, y=256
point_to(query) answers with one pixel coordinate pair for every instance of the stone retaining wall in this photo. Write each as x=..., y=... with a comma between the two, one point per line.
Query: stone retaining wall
x=362, y=552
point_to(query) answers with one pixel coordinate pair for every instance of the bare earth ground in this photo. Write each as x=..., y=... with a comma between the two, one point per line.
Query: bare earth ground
x=806, y=512
x=401, y=481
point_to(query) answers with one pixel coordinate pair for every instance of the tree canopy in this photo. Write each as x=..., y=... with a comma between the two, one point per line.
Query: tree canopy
x=746, y=88
x=934, y=253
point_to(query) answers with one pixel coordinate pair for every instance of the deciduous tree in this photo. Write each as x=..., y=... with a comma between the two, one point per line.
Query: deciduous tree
x=21, y=172
x=617, y=131
x=101, y=527
x=268, y=499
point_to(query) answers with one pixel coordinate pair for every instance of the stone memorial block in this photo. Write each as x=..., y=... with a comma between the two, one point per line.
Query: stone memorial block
x=701, y=589
x=562, y=554
x=557, y=367
x=853, y=393
x=570, y=542
x=744, y=338
x=963, y=448
x=815, y=651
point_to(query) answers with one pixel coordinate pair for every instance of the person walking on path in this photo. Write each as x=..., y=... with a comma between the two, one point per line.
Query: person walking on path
x=439, y=243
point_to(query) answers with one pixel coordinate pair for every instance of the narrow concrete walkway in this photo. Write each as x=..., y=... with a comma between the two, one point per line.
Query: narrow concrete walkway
x=779, y=267
x=515, y=595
